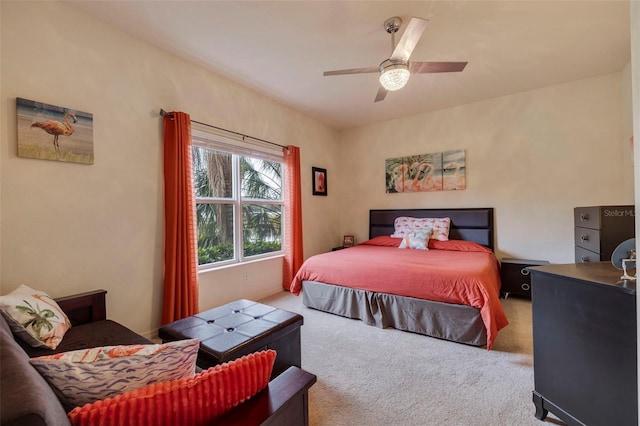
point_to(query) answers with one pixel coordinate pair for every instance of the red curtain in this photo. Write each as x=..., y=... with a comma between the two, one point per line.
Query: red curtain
x=180, y=260
x=293, y=256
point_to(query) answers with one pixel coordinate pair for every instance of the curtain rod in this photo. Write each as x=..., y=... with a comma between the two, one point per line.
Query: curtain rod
x=163, y=113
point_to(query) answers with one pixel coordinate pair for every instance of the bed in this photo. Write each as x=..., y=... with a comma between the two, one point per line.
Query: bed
x=450, y=291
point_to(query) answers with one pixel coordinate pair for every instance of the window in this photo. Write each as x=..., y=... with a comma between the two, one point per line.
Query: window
x=239, y=200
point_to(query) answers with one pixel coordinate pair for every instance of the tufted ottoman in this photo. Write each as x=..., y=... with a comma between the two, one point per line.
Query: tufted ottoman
x=239, y=328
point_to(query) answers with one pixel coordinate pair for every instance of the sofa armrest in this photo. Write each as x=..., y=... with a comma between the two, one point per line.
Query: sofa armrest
x=85, y=307
x=283, y=402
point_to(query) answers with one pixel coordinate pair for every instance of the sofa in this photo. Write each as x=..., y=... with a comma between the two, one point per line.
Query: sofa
x=27, y=399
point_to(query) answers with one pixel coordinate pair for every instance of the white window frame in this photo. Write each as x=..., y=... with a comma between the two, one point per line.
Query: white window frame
x=215, y=140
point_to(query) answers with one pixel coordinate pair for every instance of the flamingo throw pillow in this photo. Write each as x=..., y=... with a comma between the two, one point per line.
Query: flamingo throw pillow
x=439, y=226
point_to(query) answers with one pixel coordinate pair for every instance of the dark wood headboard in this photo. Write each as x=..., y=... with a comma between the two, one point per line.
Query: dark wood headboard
x=466, y=224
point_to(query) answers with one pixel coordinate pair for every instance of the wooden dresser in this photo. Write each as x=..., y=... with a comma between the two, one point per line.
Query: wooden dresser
x=599, y=230
x=584, y=344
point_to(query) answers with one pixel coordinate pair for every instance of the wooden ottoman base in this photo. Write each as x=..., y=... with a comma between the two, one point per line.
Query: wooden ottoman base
x=240, y=328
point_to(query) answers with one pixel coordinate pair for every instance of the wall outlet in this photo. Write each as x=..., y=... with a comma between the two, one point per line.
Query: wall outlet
x=245, y=277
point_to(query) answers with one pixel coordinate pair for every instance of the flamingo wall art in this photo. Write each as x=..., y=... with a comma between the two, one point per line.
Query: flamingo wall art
x=50, y=132
x=319, y=181
x=440, y=171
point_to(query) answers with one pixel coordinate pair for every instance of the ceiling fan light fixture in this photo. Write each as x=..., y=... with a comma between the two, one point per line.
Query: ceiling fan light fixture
x=394, y=76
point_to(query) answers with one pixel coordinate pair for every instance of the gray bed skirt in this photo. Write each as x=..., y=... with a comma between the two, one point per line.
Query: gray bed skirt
x=458, y=323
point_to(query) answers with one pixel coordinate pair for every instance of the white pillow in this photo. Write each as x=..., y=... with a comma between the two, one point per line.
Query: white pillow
x=34, y=317
x=439, y=226
x=89, y=375
x=416, y=240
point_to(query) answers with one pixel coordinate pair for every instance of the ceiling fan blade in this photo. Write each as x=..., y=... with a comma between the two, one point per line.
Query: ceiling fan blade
x=352, y=71
x=409, y=39
x=382, y=92
x=426, y=67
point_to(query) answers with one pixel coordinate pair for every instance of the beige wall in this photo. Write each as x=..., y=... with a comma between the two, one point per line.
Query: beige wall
x=67, y=227
x=533, y=156
x=627, y=126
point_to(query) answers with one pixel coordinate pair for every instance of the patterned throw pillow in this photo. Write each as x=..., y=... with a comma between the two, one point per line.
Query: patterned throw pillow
x=193, y=401
x=416, y=240
x=34, y=317
x=439, y=226
x=88, y=375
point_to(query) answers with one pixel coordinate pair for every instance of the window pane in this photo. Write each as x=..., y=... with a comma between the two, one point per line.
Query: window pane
x=261, y=179
x=211, y=173
x=262, y=231
x=215, y=232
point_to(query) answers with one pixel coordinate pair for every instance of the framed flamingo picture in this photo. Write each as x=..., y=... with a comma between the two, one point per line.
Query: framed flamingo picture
x=438, y=171
x=319, y=177
x=50, y=132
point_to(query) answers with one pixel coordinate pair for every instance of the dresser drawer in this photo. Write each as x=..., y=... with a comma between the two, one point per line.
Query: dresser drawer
x=587, y=217
x=585, y=256
x=599, y=229
x=587, y=238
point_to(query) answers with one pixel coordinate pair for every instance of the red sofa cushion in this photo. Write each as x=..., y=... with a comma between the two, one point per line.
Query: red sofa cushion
x=191, y=401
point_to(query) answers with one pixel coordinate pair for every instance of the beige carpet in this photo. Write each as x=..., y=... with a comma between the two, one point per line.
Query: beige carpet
x=370, y=376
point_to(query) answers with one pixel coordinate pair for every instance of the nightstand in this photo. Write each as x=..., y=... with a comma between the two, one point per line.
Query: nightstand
x=515, y=276
x=338, y=248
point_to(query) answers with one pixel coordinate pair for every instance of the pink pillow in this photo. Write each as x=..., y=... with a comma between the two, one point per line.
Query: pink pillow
x=383, y=240
x=192, y=401
x=458, y=245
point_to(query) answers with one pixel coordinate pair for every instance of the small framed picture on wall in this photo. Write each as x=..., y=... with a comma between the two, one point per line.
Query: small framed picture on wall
x=319, y=181
x=347, y=241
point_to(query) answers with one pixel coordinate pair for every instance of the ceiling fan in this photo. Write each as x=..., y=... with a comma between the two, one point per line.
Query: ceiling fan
x=395, y=71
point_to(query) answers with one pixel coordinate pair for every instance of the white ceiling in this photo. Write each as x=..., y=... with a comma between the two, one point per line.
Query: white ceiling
x=281, y=48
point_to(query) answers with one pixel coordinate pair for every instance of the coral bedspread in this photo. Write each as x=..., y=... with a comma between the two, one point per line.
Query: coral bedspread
x=458, y=272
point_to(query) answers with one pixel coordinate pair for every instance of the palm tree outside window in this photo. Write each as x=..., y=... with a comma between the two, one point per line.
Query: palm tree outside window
x=239, y=204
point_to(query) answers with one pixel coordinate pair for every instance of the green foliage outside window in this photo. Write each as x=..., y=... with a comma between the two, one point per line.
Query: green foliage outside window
x=225, y=251
x=260, y=182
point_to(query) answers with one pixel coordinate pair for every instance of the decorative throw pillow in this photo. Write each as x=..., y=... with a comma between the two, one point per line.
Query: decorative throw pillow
x=193, y=401
x=88, y=375
x=403, y=225
x=382, y=240
x=439, y=226
x=34, y=317
x=416, y=240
